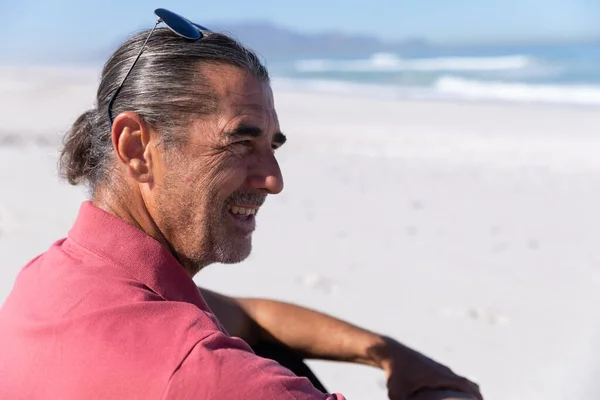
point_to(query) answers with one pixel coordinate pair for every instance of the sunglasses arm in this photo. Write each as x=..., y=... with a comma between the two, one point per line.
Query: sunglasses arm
x=114, y=96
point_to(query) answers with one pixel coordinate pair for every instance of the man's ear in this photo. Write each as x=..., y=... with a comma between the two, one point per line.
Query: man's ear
x=131, y=139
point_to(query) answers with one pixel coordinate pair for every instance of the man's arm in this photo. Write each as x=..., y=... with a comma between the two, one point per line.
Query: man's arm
x=320, y=336
x=308, y=332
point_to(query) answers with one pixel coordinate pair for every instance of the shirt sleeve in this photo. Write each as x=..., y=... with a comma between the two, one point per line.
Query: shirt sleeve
x=224, y=368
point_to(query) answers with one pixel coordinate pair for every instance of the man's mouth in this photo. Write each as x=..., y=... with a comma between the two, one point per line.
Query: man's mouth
x=243, y=212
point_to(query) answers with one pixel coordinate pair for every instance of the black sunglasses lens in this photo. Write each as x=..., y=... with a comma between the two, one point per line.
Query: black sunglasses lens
x=178, y=24
x=202, y=28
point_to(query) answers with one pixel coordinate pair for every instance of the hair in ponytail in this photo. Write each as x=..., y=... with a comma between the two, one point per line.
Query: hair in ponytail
x=84, y=154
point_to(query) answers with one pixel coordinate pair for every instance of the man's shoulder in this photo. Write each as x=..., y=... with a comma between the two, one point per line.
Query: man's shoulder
x=145, y=339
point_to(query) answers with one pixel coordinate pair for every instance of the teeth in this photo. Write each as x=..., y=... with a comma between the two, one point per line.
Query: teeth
x=242, y=210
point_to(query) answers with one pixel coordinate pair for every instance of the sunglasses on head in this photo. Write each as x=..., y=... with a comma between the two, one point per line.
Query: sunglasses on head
x=178, y=25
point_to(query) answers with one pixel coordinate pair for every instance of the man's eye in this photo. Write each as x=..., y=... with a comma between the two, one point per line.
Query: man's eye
x=244, y=142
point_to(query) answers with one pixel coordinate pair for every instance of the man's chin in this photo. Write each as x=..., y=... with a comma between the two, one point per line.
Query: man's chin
x=235, y=254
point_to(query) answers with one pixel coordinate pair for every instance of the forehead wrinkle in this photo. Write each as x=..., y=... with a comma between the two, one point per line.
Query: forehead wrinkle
x=251, y=116
x=256, y=105
x=241, y=98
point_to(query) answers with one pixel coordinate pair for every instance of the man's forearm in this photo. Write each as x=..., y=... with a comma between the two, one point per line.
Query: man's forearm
x=314, y=334
x=311, y=333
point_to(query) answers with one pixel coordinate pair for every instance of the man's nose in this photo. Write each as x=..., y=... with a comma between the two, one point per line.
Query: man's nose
x=265, y=174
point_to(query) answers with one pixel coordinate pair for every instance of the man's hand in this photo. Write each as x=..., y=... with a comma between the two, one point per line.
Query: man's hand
x=411, y=375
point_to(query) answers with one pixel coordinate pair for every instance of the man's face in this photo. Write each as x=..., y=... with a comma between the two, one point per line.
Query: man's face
x=208, y=192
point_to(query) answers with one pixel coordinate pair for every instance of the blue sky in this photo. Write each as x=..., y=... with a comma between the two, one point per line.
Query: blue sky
x=71, y=25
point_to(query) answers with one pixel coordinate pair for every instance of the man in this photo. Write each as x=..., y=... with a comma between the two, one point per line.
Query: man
x=179, y=155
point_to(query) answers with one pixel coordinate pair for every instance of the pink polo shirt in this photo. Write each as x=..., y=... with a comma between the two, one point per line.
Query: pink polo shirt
x=108, y=313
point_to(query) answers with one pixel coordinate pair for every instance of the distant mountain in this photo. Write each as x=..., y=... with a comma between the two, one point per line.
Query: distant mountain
x=272, y=40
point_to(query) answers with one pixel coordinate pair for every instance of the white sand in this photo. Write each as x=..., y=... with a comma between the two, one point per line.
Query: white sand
x=465, y=230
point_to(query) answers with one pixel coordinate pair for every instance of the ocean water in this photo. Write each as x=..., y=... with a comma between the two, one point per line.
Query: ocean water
x=551, y=73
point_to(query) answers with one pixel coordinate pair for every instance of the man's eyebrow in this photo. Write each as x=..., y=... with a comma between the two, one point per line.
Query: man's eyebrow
x=244, y=131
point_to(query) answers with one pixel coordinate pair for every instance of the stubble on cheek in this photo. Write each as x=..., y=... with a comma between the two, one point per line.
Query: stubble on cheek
x=196, y=200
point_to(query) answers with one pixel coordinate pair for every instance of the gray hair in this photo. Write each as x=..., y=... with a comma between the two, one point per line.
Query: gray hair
x=166, y=89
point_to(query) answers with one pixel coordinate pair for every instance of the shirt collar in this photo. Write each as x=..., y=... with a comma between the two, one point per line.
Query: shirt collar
x=137, y=253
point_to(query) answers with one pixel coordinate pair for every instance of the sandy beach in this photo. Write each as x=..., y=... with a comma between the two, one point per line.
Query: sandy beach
x=467, y=231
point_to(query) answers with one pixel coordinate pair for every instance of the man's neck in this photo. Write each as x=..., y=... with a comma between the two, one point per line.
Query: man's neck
x=124, y=207
x=131, y=208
